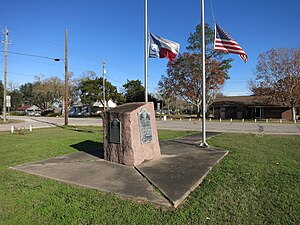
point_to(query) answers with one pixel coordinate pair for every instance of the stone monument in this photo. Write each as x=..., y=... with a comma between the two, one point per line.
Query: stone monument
x=130, y=134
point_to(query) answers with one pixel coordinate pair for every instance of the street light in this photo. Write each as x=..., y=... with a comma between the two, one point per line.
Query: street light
x=66, y=81
x=38, y=56
x=66, y=88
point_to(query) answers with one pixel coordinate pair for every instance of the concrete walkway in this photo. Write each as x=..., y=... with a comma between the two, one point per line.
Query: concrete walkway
x=180, y=169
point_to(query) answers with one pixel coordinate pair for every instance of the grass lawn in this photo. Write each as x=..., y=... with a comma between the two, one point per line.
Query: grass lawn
x=258, y=182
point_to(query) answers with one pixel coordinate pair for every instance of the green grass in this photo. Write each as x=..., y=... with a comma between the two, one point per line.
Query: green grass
x=258, y=182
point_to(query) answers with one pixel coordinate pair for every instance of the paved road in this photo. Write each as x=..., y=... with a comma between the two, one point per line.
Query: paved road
x=239, y=127
x=41, y=122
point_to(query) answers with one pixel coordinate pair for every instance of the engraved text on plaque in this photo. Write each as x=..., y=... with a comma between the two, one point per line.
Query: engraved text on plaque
x=145, y=126
x=115, y=131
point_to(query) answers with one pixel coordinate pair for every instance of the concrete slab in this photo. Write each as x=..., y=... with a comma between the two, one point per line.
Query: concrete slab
x=99, y=174
x=180, y=169
x=73, y=157
x=195, y=138
x=177, y=175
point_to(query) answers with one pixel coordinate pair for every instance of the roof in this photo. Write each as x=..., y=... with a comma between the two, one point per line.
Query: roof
x=109, y=104
x=128, y=107
x=26, y=107
x=23, y=108
x=244, y=100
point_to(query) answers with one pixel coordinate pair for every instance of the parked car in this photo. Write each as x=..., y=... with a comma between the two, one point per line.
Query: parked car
x=34, y=112
x=77, y=111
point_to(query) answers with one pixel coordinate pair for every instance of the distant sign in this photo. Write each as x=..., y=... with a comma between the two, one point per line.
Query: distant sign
x=158, y=106
x=8, y=103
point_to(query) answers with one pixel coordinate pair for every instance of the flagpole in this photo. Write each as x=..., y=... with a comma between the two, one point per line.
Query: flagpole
x=146, y=51
x=203, y=142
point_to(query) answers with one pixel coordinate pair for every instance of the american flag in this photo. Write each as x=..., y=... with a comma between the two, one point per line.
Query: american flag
x=224, y=42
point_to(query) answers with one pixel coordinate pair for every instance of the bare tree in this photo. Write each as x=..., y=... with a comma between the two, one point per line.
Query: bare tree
x=48, y=91
x=278, y=77
x=12, y=86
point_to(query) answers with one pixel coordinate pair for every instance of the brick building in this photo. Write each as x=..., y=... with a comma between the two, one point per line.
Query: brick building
x=248, y=107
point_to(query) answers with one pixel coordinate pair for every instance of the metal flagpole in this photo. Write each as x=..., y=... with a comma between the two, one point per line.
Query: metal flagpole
x=103, y=84
x=146, y=51
x=5, y=75
x=66, y=79
x=203, y=142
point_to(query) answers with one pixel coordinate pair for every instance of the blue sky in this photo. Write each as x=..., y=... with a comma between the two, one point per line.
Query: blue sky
x=114, y=31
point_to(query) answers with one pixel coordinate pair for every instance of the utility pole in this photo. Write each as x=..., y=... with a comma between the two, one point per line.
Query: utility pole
x=103, y=83
x=5, y=74
x=66, y=78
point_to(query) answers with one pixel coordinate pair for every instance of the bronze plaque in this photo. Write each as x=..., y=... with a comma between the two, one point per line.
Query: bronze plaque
x=115, y=131
x=145, y=126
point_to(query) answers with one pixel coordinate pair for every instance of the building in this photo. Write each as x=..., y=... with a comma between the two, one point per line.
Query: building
x=29, y=110
x=248, y=107
x=98, y=106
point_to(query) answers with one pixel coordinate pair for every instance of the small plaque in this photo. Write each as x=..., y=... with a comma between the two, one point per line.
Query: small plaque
x=115, y=131
x=145, y=126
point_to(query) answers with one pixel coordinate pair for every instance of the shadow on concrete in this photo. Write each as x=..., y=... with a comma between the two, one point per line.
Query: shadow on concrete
x=91, y=147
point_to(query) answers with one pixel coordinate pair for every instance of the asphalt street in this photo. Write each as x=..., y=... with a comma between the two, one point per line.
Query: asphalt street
x=237, y=127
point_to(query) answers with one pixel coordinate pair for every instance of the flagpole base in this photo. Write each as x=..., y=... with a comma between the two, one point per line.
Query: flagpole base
x=203, y=145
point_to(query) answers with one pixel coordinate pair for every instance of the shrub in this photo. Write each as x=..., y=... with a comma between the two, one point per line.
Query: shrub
x=17, y=113
x=52, y=115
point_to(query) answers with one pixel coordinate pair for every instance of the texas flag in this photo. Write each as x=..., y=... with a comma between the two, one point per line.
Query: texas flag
x=162, y=48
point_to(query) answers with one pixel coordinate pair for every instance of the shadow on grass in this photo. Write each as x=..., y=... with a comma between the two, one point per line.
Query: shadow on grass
x=81, y=129
x=47, y=122
x=68, y=127
x=91, y=147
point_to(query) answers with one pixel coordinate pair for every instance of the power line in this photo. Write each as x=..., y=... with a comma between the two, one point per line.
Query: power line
x=110, y=78
x=40, y=62
x=31, y=55
x=80, y=54
x=34, y=39
x=55, y=45
x=75, y=53
x=21, y=74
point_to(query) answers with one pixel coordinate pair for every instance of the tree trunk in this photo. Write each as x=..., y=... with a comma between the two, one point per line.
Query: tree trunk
x=198, y=109
x=294, y=113
x=63, y=108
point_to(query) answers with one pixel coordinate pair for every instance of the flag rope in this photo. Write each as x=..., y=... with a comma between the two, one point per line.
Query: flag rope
x=212, y=11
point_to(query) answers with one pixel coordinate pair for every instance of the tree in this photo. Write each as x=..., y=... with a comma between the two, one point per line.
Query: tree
x=47, y=91
x=73, y=83
x=15, y=95
x=91, y=90
x=184, y=74
x=135, y=92
x=278, y=77
x=27, y=93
